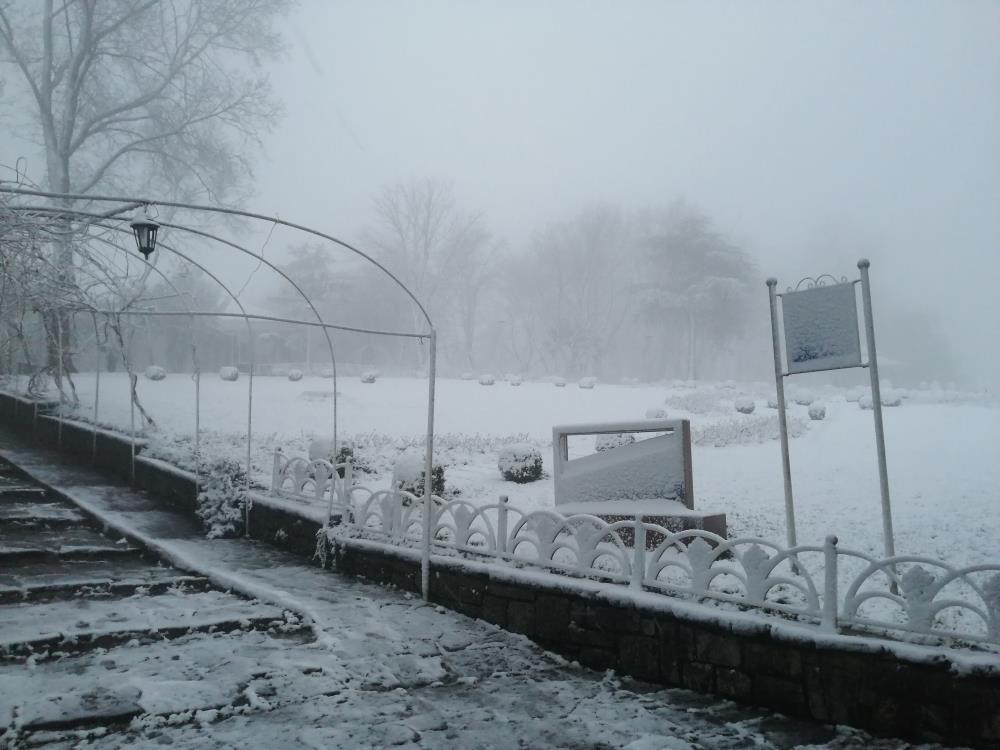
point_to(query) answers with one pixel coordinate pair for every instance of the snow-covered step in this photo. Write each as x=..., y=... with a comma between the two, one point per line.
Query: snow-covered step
x=80, y=624
x=50, y=513
x=41, y=580
x=31, y=542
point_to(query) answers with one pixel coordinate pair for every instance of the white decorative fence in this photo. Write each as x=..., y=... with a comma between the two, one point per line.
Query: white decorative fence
x=830, y=588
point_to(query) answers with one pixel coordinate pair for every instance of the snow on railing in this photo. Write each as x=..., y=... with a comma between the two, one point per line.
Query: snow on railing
x=833, y=589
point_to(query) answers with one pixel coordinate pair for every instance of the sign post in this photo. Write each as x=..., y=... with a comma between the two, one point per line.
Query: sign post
x=819, y=323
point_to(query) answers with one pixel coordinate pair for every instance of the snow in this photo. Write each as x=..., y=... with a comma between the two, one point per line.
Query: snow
x=941, y=455
x=821, y=328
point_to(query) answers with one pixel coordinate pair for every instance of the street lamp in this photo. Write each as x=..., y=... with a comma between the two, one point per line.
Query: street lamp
x=145, y=230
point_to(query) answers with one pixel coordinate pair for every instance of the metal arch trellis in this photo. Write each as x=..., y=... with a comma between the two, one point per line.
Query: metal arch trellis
x=130, y=203
x=810, y=282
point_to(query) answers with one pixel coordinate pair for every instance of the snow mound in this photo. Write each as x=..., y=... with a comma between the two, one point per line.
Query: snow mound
x=865, y=402
x=229, y=373
x=615, y=440
x=817, y=412
x=153, y=372
x=891, y=398
x=487, y=379
x=854, y=395
x=772, y=402
x=514, y=380
x=745, y=405
x=804, y=398
x=520, y=462
x=295, y=375
x=587, y=383
x=559, y=382
x=326, y=372
x=369, y=376
x=468, y=376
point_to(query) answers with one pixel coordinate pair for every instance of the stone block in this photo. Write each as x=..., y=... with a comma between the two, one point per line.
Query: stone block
x=783, y=695
x=783, y=660
x=698, y=677
x=718, y=649
x=640, y=657
x=521, y=617
x=495, y=610
x=551, y=617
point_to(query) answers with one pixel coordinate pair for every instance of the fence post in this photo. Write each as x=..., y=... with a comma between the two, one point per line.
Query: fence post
x=638, y=553
x=276, y=472
x=830, y=604
x=501, y=541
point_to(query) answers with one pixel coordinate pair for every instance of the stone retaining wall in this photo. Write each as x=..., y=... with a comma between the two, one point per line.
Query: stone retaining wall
x=833, y=679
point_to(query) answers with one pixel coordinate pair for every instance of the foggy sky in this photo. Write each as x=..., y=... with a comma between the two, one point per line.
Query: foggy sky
x=813, y=133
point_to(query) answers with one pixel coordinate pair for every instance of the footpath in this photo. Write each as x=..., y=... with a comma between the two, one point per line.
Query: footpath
x=372, y=667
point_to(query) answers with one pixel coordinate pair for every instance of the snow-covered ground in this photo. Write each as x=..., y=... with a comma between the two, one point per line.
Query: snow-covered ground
x=944, y=476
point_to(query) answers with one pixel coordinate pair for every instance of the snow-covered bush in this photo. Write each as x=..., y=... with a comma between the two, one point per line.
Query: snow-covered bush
x=817, y=412
x=521, y=463
x=559, y=382
x=854, y=395
x=153, y=372
x=804, y=398
x=772, y=402
x=408, y=475
x=369, y=376
x=468, y=376
x=754, y=428
x=326, y=372
x=486, y=379
x=322, y=449
x=891, y=397
x=613, y=440
x=656, y=412
x=295, y=375
x=229, y=373
x=588, y=382
x=744, y=405
x=514, y=380
x=222, y=498
x=865, y=402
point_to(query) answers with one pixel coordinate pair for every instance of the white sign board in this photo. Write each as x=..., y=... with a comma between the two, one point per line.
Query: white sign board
x=821, y=328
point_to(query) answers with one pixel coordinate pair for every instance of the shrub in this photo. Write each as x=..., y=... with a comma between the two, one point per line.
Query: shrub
x=229, y=373
x=369, y=376
x=295, y=375
x=520, y=463
x=155, y=373
x=772, y=402
x=891, y=398
x=744, y=405
x=408, y=475
x=614, y=440
x=559, y=382
x=486, y=379
x=804, y=398
x=817, y=412
x=514, y=380
x=222, y=498
x=587, y=383
x=865, y=402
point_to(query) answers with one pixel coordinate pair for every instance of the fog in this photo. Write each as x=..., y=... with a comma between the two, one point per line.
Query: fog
x=811, y=134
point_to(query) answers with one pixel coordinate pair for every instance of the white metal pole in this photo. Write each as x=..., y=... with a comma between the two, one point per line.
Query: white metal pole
x=779, y=382
x=883, y=474
x=97, y=392
x=425, y=562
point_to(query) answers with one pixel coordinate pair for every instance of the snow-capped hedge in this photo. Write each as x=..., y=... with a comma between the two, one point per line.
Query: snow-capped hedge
x=408, y=475
x=521, y=463
x=744, y=405
x=754, y=428
x=153, y=372
x=614, y=440
x=229, y=373
x=295, y=375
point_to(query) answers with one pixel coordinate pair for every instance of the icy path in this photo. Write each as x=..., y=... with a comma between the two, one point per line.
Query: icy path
x=384, y=670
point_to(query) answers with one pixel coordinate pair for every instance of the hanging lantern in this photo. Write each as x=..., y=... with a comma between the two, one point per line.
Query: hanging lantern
x=145, y=230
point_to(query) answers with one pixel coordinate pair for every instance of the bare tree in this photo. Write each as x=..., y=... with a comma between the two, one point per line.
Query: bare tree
x=444, y=255
x=130, y=95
